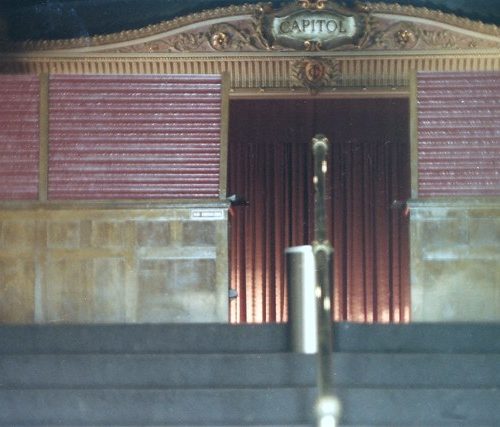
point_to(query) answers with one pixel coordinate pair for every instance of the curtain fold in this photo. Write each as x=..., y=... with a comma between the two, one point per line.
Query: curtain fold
x=270, y=164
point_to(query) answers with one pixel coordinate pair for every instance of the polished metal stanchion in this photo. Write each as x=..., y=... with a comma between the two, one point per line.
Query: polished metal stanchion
x=301, y=299
x=328, y=407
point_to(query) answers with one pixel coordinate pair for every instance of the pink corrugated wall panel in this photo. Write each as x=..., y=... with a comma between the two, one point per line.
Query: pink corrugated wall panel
x=458, y=134
x=19, y=137
x=134, y=137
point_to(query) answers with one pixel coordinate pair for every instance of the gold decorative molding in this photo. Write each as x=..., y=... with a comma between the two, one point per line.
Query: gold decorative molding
x=238, y=29
x=396, y=41
x=132, y=35
x=431, y=15
x=313, y=4
x=395, y=34
x=315, y=74
x=231, y=37
x=273, y=72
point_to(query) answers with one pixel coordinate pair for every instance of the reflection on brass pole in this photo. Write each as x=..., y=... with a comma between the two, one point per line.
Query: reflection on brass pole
x=327, y=406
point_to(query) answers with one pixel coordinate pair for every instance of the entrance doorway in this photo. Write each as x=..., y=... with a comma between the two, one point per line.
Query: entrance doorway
x=270, y=164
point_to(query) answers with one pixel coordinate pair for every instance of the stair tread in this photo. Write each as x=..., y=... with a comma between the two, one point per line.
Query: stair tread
x=219, y=375
x=273, y=369
x=269, y=338
x=250, y=406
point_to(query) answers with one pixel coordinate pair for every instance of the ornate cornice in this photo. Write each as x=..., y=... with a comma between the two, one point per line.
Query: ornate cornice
x=281, y=74
x=389, y=43
x=405, y=35
x=432, y=15
x=238, y=29
x=136, y=34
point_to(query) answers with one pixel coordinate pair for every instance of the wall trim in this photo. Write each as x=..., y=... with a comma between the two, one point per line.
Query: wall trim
x=397, y=40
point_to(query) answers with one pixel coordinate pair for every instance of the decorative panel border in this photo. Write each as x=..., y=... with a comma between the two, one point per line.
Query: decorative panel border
x=393, y=42
x=280, y=74
x=241, y=28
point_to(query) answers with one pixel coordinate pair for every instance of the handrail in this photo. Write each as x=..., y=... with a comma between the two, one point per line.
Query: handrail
x=327, y=406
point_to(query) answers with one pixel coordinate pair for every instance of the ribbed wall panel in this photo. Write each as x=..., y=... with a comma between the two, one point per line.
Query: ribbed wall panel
x=458, y=134
x=19, y=137
x=134, y=137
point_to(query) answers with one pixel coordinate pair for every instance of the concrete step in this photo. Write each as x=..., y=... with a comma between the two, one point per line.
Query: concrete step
x=223, y=338
x=147, y=338
x=247, y=370
x=222, y=375
x=246, y=407
x=418, y=338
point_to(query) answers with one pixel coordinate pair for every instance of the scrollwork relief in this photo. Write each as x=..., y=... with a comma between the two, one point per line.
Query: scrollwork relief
x=185, y=42
x=444, y=39
x=315, y=74
x=236, y=38
x=246, y=36
x=407, y=36
x=242, y=36
x=433, y=15
x=385, y=27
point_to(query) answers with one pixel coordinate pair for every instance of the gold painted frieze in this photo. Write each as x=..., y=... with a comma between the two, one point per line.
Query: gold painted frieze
x=304, y=26
x=330, y=49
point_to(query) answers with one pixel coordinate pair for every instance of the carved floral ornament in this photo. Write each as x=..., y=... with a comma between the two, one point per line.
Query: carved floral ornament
x=313, y=4
x=308, y=25
x=315, y=73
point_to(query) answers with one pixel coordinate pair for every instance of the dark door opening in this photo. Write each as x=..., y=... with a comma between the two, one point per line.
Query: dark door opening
x=270, y=164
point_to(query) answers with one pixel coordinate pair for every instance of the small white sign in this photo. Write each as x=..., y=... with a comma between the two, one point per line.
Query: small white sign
x=207, y=214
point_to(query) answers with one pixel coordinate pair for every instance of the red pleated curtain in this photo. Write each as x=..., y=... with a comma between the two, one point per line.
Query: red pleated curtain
x=270, y=164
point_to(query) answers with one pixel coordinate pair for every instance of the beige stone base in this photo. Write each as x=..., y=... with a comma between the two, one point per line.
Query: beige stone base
x=455, y=261
x=95, y=265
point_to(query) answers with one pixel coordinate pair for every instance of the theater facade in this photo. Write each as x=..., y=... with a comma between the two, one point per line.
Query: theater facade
x=158, y=174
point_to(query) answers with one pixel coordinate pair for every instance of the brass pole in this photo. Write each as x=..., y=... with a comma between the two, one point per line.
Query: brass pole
x=327, y=406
